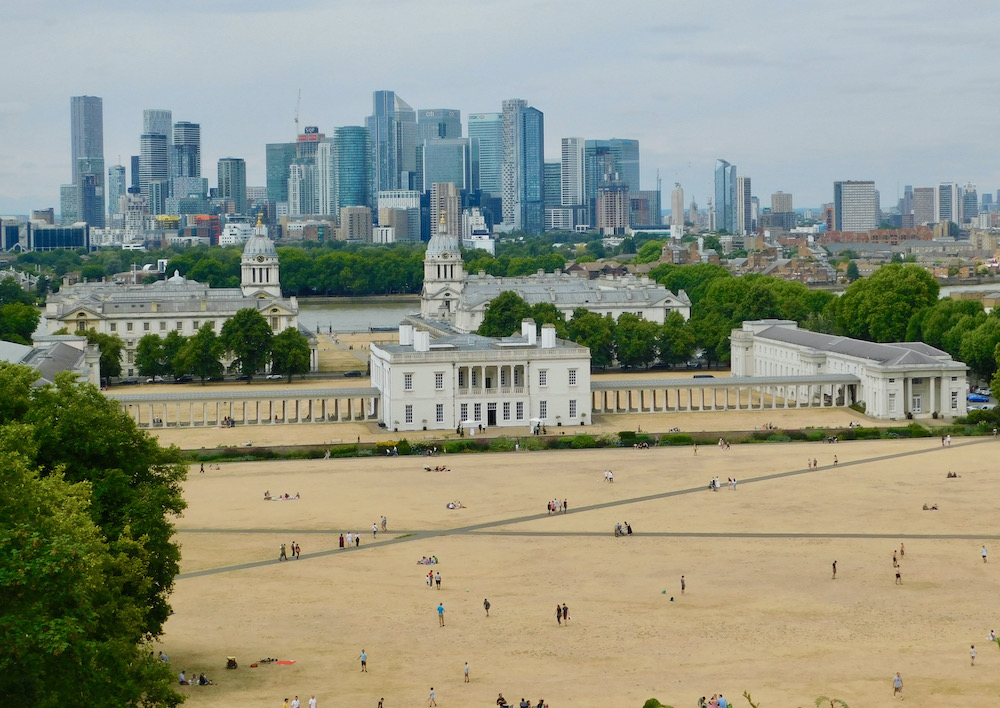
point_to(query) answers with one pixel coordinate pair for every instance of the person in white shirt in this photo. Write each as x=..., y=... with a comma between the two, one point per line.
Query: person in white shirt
x=295, y=702
x=312, y=702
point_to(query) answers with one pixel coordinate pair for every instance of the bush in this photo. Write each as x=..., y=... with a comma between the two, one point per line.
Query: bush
x=778, y=437
x=502, y=445
x=676, y=439
x=404, y=447
x=608, y=440
x=859, y=407
x=583, y=441
x=816, y=436
x=991, y=417
x=796, y=435
x=627, y=437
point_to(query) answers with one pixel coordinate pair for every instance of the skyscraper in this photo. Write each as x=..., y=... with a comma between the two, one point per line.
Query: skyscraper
x=744, y=206
x=923, y=206
x=154, y=162
x=855, y=206
x=725, y=196
x=552, y=184
x=233, y=182
x=446, y=202
x=523, y=166
x=87, y=156
x=117, y=186
x=351, y=167
x=392, y=129
x=433, y=123
x=781, y=202
x=454, y=160
x=279, y=157
x=487, y=128
x=948, y=203
x=970, y=203
x=185, y=153
x=571, y=172
x=157, y=120
x=677, y=205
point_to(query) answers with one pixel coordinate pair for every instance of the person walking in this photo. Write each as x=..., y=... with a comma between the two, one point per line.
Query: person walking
x=897, y=686
x=298, y=551
x=437, y=579
x=558, y=614
x=835, y=570
x=281, y=555
x=972, y=653
x=385, y=522
x=467, y=672
x=441, y=614
x=835, y=461
x=565, y=613
x=486, y=606
x=312, y=702
x=374, y=530
x=295, y=702
x=984, y=553
x=341, y=540
x=565, y=506
x=430, y=700
x=899, y=580
x=683, y=585
x=364, y=661
x=895, y=560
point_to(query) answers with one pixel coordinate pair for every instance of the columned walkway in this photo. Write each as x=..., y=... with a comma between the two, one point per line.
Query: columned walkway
x=193, y=408
x=723, y=394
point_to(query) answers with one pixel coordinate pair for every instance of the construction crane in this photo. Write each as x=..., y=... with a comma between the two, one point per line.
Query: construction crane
x=298, y=104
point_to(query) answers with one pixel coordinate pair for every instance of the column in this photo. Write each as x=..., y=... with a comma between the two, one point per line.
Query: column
x=932, y=381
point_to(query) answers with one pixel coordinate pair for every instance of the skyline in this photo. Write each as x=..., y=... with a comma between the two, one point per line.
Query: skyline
x=892, y=96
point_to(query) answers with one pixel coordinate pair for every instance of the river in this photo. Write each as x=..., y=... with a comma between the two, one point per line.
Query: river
x=354, y=316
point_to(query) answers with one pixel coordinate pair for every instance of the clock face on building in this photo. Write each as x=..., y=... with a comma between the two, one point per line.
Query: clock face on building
x=445, y=255
x=260, y=258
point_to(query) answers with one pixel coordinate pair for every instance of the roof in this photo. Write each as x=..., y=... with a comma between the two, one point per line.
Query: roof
x=722, y=382
x=244, y=394
x=889, y=354
x=474, y=342
x=258, y=245
x=563, y=289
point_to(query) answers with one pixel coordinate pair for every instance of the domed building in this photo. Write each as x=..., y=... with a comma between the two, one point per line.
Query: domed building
x=178, y=304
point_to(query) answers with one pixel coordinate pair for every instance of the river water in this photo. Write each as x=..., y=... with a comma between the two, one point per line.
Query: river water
x=354, y=316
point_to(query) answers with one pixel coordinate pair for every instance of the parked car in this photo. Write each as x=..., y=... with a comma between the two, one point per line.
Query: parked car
x=130, y=381
x=982, y=391
x=977, y=398
x=274, y=377
x=186, y=378
x=982, y=406
x=352, y=374
x=154, y=379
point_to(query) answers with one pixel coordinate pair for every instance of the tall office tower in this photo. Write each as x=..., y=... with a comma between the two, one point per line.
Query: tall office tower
x=233, y=182
x=987, y=201
x=725, y=196
x=407, y=200
x=154, y=162
x=610, y=160
x=693, y=216
x=948, y=203
x=446, y=202
x=781, y=203
x=185, y=153
x=676, y=205
x=134, y=169
x=117, y=187
x=970, y=203
x=454, y=160
x=308, y=142
x=512, y=108
x=392, y=129
x=906, y=202
x=352, y=167
x=157, y=120
x=744, y=206
x=325, y=180
x=90, y=181
x=433, y=123
x=86, y=130
x=487, y=128
x=613, y=208
x=855, y=206
x=923, y=206
x=159, y=192
x=645, y=208
x=279, y=157
x=69, y=204
x=571, y=172
x=303, y=196
x=523, y=166
x=552, y=185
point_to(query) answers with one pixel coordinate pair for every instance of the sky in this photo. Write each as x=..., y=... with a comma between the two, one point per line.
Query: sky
x=796, y=93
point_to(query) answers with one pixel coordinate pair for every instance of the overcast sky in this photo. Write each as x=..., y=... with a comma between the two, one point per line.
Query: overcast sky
x=796, y=93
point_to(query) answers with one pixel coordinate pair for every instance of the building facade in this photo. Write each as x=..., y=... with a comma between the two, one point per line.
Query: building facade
x=487, y=129
x=233, y=182
x=895, y=381
x=855, y=206
x=725, y=196
x=466, y=381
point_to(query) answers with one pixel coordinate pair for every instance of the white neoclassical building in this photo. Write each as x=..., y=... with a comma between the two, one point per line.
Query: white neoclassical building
x=459, y=299
x=178, y=304
x=466, y=380
x=894, y=380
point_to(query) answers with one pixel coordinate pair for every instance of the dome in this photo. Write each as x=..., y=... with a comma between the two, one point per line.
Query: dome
x=177, y=279
x=259, y=246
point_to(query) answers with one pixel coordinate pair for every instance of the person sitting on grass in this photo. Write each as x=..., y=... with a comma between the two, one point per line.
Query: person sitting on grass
x=203, y=681
x=183, y=679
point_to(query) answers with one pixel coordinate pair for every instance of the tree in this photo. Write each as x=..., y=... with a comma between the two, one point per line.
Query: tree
x=247, y=337
x=635, y=340
x=676, y=342
x=694, y=279
x=111, y=346
x=979, y=347
x=200, y=355
x=824, y=701
x=290, y=354
x=649, y=252
x=173, y=343
x=503, y=315
x=852, y=271
x=547, y=313
x=149, y=356
x=18, y=322
x=879, y=308
x=595, y=332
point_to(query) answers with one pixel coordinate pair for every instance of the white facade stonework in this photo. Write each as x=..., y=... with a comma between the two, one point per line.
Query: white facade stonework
x=467, y=380
x=895, y=380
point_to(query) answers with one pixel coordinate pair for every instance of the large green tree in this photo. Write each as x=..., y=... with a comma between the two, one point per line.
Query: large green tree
x=18, y=322
x=503, y=315
x=200, y=355
x=150, y=358
x=879, y=308
x=635, y=340
x=596, y=332
x=290, y=353
x=111, y=346
x=676, y=342
x=247, y=336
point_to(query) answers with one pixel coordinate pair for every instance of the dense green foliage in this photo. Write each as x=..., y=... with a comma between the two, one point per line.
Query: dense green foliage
x=87, y=558
x=111, y=351
x=246, y=337
x=200, y=354
x=879, y=308
x=290, y=353
x=18, y=316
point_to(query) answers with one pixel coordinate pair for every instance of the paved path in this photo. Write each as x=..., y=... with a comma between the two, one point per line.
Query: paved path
x=488, y=527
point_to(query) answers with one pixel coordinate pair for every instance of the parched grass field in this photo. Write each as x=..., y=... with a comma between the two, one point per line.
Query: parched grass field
x=761, y=611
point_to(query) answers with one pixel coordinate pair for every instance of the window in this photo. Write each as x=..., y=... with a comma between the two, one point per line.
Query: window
x=464, y=412
x=520, y=410
x=572, y=409
x=195, y=325
x=543, y=378
x=407, y=382
x=892, y=403
x=439, y=380
x=954, y=378
x=475, y=378
x=572, y=377
x=439, y=413
x=543, y=409
x=954, y=400
x=128, y=326
x=163, y=326
x=461, y=378
x=114, y=326
x=503, y=377
x=130, y=358
x=145, y=326
x=477, y=412
x=517, y=377
x=506, y=410
x=409, y=413
x=892, y=380
x=180, y=326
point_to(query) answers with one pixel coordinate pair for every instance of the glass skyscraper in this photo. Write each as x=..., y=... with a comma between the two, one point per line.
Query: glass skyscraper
x=433, y=123
x=87, y=157
x=233, y=182
x=524, y=167
x=487, y=128
x=725, y=196
x=351, y=167
x=451, y=160
x=185, y=153
x=392, y=130
x=279, y=157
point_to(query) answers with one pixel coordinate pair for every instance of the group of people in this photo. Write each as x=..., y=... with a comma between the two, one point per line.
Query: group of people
x=200, y=680
x=609, y=476
x=946, y=441
x=716, y=701
x=562, y=614
x=228, y=422
x=723, y=444
x=554, y=506
x=434, y=579
x=436, y=468
x=428, y=560
x=623, y=529
x=352, y=538
x=281, y=497
x=295, y=549
x=525, y=703
x=715, y=485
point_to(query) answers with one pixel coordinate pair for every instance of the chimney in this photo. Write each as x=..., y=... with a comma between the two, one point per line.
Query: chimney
x=406, y=335
x=528, y=330
x=548, y=336
x=421, y=341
